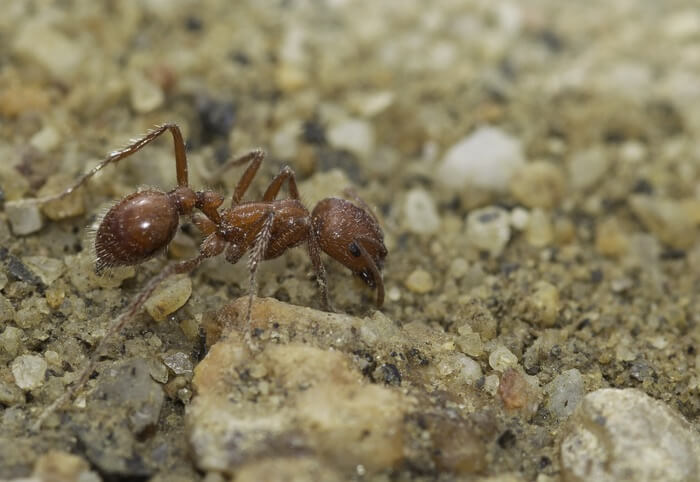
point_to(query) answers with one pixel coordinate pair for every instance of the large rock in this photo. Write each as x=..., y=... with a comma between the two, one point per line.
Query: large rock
x=625, y=435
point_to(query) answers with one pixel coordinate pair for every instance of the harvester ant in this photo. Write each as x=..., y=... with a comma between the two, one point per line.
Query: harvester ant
x=143, y=223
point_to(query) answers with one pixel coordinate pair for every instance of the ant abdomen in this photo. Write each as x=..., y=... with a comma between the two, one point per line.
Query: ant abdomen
x=136, y=228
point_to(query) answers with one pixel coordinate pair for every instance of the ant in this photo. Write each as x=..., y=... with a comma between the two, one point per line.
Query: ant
x=143, y=223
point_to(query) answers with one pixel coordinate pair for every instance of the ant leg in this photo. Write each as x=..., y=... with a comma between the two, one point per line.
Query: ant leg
x=315, y=255
x=352, y=193
x=117, y=325
x=118, y=155
x=376, y=274
x=256, y=256
x=286, y=174
x=255, y=157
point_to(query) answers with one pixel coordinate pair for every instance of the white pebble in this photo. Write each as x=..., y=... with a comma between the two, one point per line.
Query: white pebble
x=29, y=371
x=420, y=214
x=502, y=358
x=519, y=218
x=25, y=217
x=470, y=369
x=486, y=159
x=354, y=135
x=488, y=229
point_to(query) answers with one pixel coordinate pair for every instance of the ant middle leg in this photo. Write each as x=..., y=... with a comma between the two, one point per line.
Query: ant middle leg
x=286, y=174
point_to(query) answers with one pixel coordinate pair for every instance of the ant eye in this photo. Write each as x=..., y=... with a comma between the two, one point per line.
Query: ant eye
x=354, y=249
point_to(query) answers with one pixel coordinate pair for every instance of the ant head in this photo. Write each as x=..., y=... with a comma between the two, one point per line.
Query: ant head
x=351, y=236
x=136, y=228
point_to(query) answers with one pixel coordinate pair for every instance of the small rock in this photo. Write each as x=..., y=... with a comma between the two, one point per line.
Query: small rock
x=41, y=43
x=47, y=269
x=24, y=216
x=7, y=311
x=58, y=466
x=487, y=159
x=290, y=78
x=179, y=363
x=543, y=304
x=565, y=393
x=470, y=370
x=491, y=383
x=169, y=297
x=626, y=435
x=666, y=219
x=502, y=358
x=478, y=317
x=70, y=206
x=11, y=340
x=145, y=95
x=420, y=213
x=610, y=239
x=324, y=184
x=369, y=104
x=683, y=24
x=470, y=344
x=519, y=218
x=587, y=168
x=129, y=383
x=538, y=185
x=488, y=229
x=419, y=281
x=29, y=371
x=285, y=141
x=10, y=395
x=46, y=140
x=540, y=231
x=517, y=392
x=353, y=135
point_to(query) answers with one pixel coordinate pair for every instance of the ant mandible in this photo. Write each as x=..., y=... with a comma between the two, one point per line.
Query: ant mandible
x=143, y=223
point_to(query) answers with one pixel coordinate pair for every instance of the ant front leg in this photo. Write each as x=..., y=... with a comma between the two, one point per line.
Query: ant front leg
x=257, y=254
x=320, y=270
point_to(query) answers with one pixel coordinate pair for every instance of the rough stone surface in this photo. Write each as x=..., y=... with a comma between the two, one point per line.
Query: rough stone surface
x=310, y=399
x=627, y=435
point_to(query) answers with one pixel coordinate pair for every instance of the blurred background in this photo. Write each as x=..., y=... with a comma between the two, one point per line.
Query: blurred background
x=541, y=158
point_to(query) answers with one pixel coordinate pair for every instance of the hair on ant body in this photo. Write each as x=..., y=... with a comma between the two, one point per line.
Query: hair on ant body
x=143, y=223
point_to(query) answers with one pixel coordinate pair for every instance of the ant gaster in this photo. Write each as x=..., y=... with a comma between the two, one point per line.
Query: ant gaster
x=143, y=223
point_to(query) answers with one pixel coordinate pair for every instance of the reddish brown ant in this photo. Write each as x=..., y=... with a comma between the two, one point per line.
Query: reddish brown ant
x=143, y=224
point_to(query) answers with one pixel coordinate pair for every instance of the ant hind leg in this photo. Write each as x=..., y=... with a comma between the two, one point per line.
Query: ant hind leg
x=119, y=154
x=117, y=325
